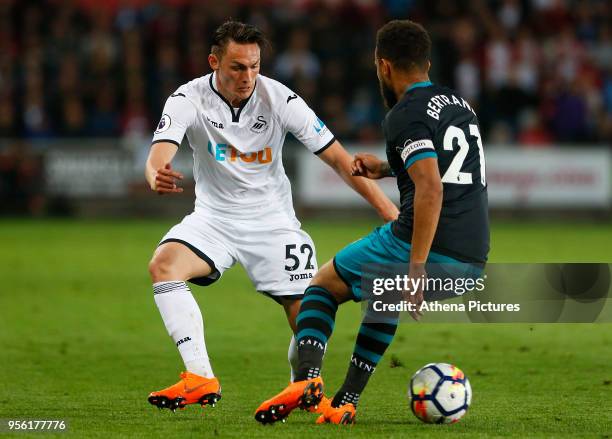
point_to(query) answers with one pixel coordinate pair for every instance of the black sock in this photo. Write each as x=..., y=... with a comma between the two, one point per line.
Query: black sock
x=372, y=341
x=315, y=323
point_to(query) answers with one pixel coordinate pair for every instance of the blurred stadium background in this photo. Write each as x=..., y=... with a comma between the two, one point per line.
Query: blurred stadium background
x=83, y=83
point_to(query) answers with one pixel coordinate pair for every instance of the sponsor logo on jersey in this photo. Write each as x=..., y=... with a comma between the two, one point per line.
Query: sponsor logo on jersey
x=320, y=127
x=410, y=147
x=260, y=126
x=300, y=276
x=218, y=125
x=293, y=96
x=223, y=152
x=164, y=124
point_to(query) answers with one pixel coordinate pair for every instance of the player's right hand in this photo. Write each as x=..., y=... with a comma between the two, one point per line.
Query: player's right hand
x=415, y=296
x=369, y=166
x=166, y=179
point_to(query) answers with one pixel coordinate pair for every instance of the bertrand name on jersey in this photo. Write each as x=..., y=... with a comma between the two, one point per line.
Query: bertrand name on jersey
x=438, y=102
x=222, y=152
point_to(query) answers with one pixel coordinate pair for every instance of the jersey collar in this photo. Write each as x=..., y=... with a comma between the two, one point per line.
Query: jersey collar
x=235, y=114
x=419, y=85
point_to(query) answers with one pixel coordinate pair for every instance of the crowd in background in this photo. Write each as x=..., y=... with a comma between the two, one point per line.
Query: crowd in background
x=538, y=72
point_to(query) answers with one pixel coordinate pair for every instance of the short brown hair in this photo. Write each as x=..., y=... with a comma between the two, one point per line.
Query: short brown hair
x=237, y=32
x=404, y=43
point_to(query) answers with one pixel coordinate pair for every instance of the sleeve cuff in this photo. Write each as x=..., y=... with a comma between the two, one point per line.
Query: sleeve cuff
x=420, y=156
x=330, y=143
x=165, y=140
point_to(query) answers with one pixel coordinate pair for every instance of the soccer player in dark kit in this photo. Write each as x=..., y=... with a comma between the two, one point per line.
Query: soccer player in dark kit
x=434, y=150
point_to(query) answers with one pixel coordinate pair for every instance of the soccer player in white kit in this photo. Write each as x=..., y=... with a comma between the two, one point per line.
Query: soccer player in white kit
x=235, y=121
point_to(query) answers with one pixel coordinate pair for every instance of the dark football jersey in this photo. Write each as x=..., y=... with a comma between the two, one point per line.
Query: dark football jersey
x=434, y=121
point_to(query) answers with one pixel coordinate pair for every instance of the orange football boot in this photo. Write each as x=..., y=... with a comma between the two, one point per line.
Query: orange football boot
x=319, y=407
x=344, y=414
x=191, y=389
x=302, y=394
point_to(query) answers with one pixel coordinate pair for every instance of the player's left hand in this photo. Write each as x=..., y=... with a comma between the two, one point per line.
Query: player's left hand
x=415, y=296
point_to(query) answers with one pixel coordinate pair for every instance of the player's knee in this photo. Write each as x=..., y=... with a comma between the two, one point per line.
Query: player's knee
x=327, y=278
x=161, y=269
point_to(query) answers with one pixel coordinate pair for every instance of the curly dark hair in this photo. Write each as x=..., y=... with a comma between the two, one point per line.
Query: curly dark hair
x=405, y=44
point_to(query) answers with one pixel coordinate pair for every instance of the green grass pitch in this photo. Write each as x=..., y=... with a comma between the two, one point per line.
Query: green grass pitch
x=82, y=340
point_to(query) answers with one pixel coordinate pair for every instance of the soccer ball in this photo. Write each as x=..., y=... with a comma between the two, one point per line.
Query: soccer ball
x=439, y=393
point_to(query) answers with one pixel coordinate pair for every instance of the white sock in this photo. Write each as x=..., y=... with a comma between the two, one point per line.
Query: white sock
x=183, y=320
x=292, y=356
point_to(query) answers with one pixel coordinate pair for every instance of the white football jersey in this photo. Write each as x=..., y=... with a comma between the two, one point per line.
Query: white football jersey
x=238, y=166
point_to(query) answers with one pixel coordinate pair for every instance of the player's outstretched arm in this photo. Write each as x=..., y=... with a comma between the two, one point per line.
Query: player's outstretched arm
x=158, y=171
x=340, y=160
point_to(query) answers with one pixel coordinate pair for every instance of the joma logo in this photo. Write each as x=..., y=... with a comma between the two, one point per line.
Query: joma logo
x=300, y=276
x=183, y=340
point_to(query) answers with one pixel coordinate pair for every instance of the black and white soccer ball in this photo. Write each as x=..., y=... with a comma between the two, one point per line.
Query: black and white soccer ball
x=439, y=393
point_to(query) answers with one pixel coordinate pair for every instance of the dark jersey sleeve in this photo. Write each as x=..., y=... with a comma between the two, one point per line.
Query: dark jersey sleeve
x=412, y=141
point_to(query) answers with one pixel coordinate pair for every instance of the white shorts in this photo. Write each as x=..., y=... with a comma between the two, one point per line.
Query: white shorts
x=280, y=260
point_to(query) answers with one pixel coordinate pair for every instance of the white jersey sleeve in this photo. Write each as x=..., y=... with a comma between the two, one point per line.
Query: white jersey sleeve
x=303, y=123
x=179, y=114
